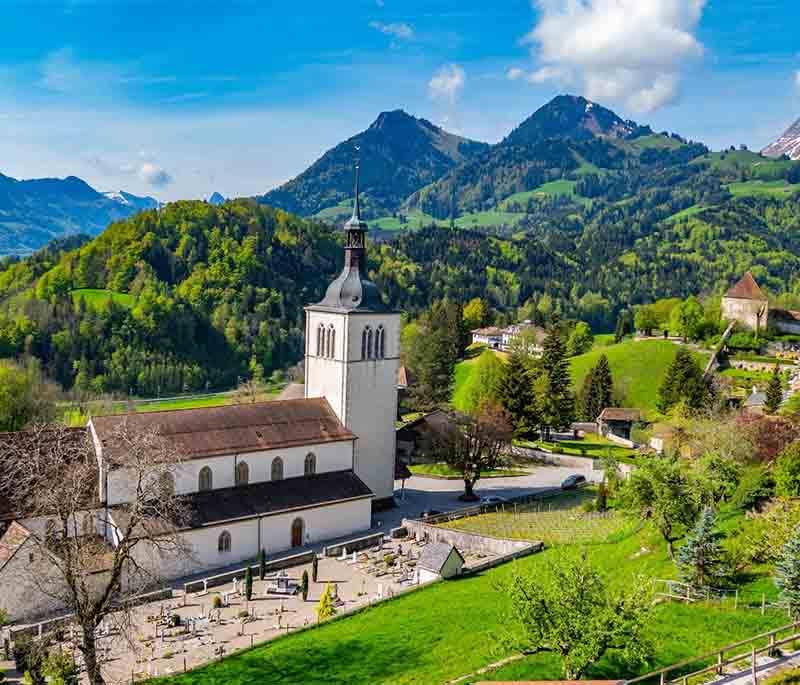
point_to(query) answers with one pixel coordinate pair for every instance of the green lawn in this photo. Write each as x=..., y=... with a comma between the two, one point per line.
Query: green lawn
x=447, y=471
x=449, y=629
x=96, y=297
x=557, y=521
x=638, y=369
x=778, y=189
x=592, y=446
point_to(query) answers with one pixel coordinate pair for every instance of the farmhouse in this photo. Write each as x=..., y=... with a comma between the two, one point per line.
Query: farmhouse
x=505, y=338
x=746, y=304
x=615, y=422
x=272, y=475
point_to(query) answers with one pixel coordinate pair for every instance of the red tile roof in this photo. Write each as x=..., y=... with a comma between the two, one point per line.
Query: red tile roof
x=746, y=289
x=238, y=428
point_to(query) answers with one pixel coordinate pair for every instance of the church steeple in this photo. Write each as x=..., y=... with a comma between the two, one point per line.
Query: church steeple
x=352, y=289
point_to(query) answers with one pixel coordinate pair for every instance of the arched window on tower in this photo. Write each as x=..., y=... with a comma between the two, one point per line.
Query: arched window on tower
x=224, y=542
x=320, y=340
x=370, y=345
x=364, y=336
x=310, y=465
x=277, y=469
x=242, y=473
x=379, y=344
x=331, y=341
x=205, y=480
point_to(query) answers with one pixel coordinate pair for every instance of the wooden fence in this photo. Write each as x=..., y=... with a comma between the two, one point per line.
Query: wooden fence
x=765, y=643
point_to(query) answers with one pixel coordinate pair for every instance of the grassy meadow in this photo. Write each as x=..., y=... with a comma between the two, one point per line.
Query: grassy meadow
x=450, y=629
x=98, y=297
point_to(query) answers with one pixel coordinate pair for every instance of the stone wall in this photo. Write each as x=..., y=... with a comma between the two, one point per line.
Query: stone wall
x=355, y=545
x=227, y=577
x=470, y=542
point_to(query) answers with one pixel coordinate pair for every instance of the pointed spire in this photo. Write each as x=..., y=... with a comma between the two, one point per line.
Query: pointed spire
x=356, y=222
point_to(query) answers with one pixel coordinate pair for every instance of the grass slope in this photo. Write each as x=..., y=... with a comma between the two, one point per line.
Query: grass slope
x=97, y=297
x=464, y=372
x=449, y=629
x=779, y=189
x=638, y=368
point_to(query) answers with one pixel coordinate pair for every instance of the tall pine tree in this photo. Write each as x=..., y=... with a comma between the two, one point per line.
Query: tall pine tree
x=787, y=575
x=702, y=560
x=515, y=393
x=683, y=382
x=554, y=385
x=774, y=392
x=433, y=356
x=597, y=391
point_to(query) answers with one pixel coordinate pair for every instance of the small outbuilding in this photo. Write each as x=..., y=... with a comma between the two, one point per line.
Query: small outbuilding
x=617, y=422
x=439, y=560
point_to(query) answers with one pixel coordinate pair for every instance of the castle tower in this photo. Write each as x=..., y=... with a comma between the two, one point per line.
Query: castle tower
x=352, y=356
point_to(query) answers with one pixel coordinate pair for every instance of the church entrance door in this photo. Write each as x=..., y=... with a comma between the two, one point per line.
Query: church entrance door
x=297, y=533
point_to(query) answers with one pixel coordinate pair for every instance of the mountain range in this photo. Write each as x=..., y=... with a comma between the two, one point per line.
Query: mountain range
x=34, y=212
x=788, y=144
x=399, y=155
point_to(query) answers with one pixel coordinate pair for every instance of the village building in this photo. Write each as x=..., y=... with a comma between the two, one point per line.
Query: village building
x=490, y=336
x=617, y=422
x=746, y=304
x=275, y=475
x=439, y=560
x=505, y=339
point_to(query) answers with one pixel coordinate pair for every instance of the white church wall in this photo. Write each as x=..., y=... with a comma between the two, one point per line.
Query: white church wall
x=332, y=456
x=273, y=532
x=324, y=377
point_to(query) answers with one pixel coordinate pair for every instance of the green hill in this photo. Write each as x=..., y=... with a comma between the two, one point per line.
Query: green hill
x=638, y=368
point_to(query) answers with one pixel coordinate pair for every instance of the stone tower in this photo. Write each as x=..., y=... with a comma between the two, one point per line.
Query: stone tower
x=352, y=356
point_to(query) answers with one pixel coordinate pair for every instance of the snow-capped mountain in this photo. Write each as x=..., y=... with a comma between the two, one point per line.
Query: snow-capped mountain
x=788, y=144
x=132, y=201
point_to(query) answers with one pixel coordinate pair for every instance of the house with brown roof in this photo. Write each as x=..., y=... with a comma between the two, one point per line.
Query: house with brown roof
x=617, y=422
x=746, y=304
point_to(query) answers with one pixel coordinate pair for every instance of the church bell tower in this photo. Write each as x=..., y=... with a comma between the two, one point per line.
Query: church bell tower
x=352, y=356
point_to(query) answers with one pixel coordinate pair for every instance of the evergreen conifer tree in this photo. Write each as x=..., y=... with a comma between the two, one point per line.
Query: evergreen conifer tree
x=304, y=585
x=586, y=401
x=515, y=394
x=683, y=382
x=597, y=391
x=787, y=575
x=556, y=402
x=702, y=560
x=314, y=568
x=248, y=583
x=326, y=608
x=774, y=392
x=262, y=564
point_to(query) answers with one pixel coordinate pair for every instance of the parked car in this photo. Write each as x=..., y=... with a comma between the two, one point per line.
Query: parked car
x=429, y=512
x=572, y=482
x=493, y=499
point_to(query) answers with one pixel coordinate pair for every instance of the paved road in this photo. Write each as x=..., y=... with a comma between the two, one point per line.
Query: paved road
x=434, y=493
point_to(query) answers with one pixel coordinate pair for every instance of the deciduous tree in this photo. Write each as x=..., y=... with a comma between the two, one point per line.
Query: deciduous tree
x=573, y=611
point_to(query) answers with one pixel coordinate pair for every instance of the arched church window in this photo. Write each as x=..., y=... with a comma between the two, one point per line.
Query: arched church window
x=242, y=473
x=205, y=479
x=166, y=484
x=331, y=341
x=310, y=465
x=370, y=345
x=277, y=469
x=320, y=340
x=224, y=542
x=364, y=336
x=379, y=344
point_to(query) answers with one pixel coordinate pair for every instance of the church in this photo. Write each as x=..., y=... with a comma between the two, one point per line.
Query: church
x=274, y=475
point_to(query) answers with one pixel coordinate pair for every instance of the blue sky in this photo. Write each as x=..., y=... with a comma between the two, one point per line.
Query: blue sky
x=179, y=99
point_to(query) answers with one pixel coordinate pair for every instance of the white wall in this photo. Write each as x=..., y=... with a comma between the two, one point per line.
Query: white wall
x=362, y=392
x=320, y=523
x=332, y=456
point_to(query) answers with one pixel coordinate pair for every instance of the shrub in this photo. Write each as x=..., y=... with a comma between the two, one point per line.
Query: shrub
x=314, y=568
x=175, y=620
x=304, y=585
x=755, y=487
x=244, y=613
x=787, y=472
x=217, y=602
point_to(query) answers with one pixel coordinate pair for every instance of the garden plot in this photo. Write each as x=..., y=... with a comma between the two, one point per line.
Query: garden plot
x=561, y=520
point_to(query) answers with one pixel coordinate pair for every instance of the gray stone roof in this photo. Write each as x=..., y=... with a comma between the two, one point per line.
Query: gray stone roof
x=435, y=555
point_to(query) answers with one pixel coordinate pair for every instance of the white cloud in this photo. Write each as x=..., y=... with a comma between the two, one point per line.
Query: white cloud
x=447, y=83
x=399, y=30
x=153, y=175
x=515, y=73
x=628, y=50
x=797, y=79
